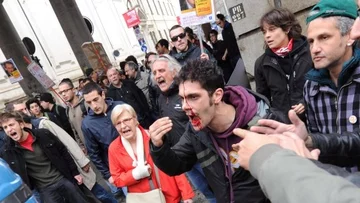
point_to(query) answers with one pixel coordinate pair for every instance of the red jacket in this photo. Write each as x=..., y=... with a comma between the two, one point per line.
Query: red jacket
x=120, y=163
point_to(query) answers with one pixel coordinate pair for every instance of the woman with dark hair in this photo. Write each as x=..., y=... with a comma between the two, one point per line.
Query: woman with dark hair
x=279, y=72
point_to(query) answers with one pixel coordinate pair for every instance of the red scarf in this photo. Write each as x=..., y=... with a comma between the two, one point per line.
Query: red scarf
x=283, y=51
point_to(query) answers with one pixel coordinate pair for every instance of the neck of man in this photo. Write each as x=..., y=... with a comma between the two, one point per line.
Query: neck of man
x=118, y=85
x=223, y=119
x=336, y=69
x=24, y=137
x=105, y=108
x=41, y=114
x=186, y=48
x=74, y=101
x=51, y=106
x=167, y=51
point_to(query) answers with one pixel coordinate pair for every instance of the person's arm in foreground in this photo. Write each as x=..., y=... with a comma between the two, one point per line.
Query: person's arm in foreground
x=284, y=176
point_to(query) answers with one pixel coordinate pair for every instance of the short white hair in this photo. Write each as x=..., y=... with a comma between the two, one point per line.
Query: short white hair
x=173, y=64
x=119, y=109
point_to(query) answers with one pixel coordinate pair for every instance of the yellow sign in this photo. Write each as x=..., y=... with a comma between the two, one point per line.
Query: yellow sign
x=203, y=7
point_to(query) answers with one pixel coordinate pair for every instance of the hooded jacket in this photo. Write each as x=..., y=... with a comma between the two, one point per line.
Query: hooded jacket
x=99, y=132
x=283, y=90
x=229, y=182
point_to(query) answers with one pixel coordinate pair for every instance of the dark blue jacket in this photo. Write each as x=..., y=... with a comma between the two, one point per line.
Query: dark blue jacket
x=99, y=132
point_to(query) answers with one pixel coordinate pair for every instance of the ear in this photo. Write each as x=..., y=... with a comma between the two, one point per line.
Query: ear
x=22, y=125
x=103, y=94
x=350, y=42
x=218, y=95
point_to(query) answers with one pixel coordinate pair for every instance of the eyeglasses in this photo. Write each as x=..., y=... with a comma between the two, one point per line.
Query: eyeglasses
x=181, y=35
x=126, y=121
x=65, y=91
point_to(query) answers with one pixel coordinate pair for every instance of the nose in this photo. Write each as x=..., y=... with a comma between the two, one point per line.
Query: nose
x=315, y=47
x=185, y=105
x=355, y=30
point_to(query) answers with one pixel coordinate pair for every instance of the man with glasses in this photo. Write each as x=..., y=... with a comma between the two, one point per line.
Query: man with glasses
x=184, y=50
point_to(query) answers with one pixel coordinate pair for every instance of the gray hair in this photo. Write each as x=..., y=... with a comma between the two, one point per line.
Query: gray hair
x=132, y=65
x=119, y=109
x=173, y=64
x=344, y=24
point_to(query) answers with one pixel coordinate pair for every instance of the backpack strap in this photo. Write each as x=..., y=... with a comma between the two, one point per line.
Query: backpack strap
x=83, y=108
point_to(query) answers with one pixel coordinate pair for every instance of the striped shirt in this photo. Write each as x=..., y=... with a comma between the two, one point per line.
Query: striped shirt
x=329, y=111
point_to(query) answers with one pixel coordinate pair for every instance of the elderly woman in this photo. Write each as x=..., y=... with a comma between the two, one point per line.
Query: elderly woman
x=131, y=164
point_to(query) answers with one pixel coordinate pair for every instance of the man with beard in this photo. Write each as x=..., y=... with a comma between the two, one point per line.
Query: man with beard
x=214, y=111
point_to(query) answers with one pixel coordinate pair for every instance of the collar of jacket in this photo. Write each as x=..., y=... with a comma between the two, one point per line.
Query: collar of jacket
x=28, y=130
x=300, y=46
x=110, y=106
x=183, y=54
x=138, y=75
x=322, y=76
x=173, y=89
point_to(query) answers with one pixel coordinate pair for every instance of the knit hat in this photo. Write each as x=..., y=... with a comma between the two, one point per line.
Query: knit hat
x=326, y=8
x=46, y=97
x=88, y=72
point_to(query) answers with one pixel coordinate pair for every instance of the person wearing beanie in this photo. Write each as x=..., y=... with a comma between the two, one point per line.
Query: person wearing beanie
x=90, y=73
x=332, y=89
x=48, y=104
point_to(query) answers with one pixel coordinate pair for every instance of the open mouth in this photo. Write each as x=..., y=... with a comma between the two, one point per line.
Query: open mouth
x=161, y=81
x=195, y=120
x=13, y=134
x=125, y=131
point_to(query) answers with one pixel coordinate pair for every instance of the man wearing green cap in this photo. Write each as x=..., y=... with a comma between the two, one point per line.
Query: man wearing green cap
x=332, y=89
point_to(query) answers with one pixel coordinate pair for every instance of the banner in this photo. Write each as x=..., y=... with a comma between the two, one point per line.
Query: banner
x=196, y=12
x=11, y=71
x=131, y=18
x=40, y=75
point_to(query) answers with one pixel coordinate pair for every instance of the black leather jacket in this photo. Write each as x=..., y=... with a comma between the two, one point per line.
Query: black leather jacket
x=338, y=149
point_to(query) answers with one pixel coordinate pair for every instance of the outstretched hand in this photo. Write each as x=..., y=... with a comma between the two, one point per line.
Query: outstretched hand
x=267, y=126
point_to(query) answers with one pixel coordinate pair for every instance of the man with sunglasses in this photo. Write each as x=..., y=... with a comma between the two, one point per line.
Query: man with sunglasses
x=184, y=50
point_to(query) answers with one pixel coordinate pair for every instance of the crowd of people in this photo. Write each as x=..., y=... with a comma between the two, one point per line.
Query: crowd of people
x=158, y=131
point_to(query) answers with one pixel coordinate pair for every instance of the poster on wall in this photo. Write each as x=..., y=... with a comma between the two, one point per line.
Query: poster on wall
x=140, y=38
x=196, y=12
x=11, y=71
x=40, y=75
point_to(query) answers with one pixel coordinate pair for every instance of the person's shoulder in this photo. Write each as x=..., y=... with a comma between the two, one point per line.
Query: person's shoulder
x=114, y=145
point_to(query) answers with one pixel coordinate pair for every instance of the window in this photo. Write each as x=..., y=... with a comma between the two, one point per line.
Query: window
x=172, y=9
x=166, y=34
x=160, y=34
x=165, y=9
x=157, y=11
x=153, y=37
x=162, y=12
x=147, y=1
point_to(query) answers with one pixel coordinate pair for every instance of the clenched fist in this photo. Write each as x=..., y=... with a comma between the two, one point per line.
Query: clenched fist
x=158, y=129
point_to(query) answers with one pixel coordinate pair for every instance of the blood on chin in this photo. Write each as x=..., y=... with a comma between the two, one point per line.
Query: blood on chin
x=196, y=122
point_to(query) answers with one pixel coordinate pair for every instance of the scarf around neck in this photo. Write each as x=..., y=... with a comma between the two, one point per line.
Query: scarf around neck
x=283, y=51
x=139, y=149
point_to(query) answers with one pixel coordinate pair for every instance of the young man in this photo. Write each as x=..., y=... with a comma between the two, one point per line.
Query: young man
x=97, y=128
x=41, y=160
x=128, y=92
x=214, y=111
x=48, y=104
x=162, y=47
x=165, y=69
x=184, y=50
x=332, y=89
x=34, y=107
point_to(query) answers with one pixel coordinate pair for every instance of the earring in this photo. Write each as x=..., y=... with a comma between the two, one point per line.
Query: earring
x=349, y=44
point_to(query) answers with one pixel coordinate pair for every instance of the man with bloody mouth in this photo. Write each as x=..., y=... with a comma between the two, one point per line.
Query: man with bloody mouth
x=214, y=111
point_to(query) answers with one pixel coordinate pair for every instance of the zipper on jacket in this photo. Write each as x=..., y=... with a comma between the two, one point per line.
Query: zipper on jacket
x=336, y=106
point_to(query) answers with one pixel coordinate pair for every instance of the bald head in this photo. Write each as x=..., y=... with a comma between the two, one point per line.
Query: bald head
x=113, y=76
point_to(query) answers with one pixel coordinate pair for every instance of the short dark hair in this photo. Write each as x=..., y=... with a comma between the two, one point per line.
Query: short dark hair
x=81, y=80
x=132, y=65
x=147, y=55
x=206, y=72
x=87, y=80
x=47, y=97
x=131, y=58
x=68, y=82
x=162, y=42
x=92, y=86
x=122, y=65
x=174, y=27
x=284, y=19
x=189, y=30
x=31, y=101
x=213, y=32
x=9, y=115
x=220, y=17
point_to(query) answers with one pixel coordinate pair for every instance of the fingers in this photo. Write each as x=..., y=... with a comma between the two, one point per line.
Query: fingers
x=294, y=118
x=269, y=123
x=242, y=133
x=236, y=147
x=292, y=135
x=315, y=154
x=262, y=130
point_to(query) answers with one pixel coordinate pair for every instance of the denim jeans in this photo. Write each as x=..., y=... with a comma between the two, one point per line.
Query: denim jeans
x=102, y=194
x=115, y=189
x=63, y=189
x=197, y=178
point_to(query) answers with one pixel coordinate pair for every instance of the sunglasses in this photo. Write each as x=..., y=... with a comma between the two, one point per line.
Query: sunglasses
x=181, y=35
